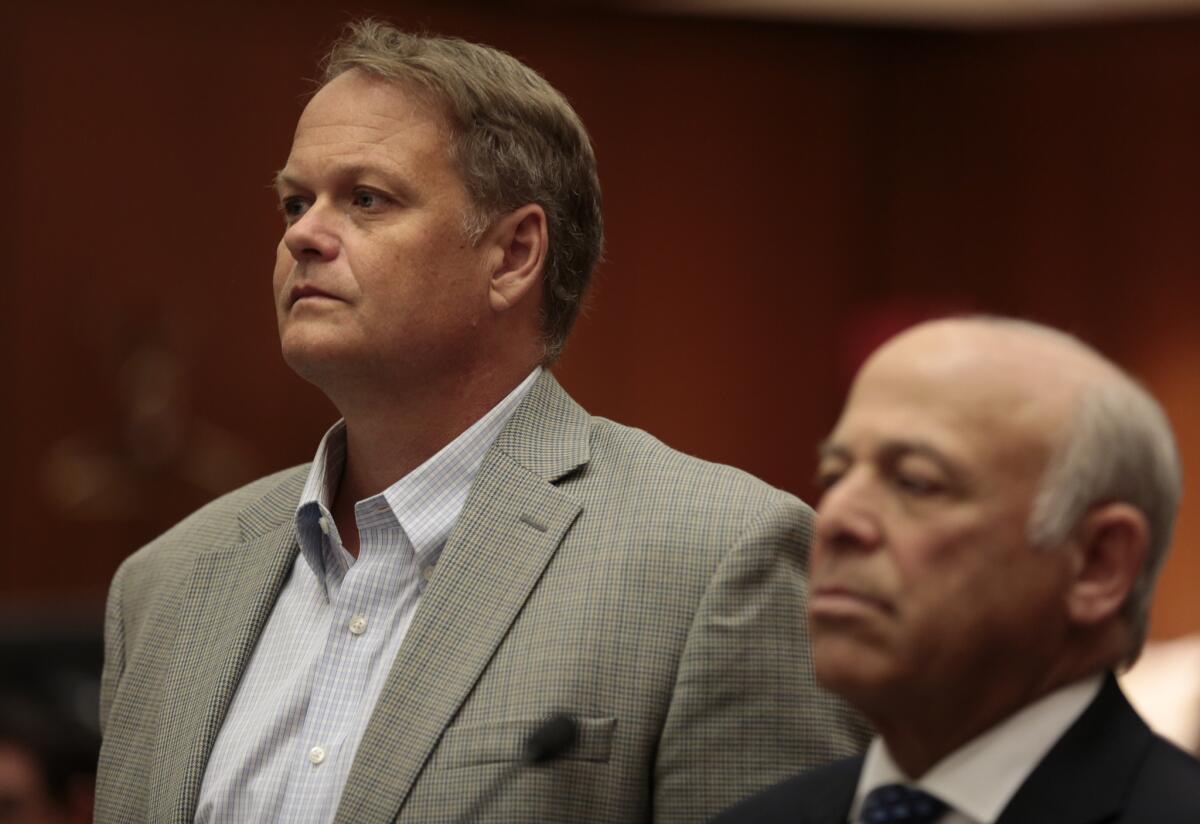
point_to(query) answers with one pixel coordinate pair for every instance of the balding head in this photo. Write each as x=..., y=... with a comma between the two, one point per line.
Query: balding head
x=1019, y=382
x=998, y=499
x=1114, y=442
x=999, y=361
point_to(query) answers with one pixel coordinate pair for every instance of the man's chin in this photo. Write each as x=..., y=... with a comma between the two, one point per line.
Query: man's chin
x=322, y=363
x=847, y=663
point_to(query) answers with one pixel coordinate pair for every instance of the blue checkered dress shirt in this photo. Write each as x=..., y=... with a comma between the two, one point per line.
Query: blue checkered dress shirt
x=286, y=746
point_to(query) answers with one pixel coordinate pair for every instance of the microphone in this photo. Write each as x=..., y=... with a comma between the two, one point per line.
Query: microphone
x=550, y=741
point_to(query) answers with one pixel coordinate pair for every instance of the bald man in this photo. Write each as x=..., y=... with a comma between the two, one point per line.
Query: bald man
x=998, y=500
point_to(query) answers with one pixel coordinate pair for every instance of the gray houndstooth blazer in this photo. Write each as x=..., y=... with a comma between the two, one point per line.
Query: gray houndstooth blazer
x=593, y=570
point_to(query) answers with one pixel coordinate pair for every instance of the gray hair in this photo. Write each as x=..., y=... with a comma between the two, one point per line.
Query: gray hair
x=1119, y=448
x=515, y=141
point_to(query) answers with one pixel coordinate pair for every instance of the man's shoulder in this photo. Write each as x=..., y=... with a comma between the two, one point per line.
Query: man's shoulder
x=1164, y=787
x=1111, y=765
x=1168, y=782
x=626, y=468
x=633, y=457
x=637, y=488
x=822, y=794
x=256, y=507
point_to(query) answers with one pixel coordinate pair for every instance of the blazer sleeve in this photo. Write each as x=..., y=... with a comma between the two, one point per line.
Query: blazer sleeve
x=114, y=648
x=746, y=710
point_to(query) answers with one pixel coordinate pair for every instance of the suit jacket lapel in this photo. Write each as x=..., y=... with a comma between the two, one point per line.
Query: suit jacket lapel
x=230, y=594
x=828, y=797
x=1084, y=777
x=512, y=524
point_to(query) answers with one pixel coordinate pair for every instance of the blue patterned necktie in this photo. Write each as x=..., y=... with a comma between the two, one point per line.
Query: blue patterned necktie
x=898, y=804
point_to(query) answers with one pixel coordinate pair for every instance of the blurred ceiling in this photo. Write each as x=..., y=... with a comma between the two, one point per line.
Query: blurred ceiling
x=955, y=13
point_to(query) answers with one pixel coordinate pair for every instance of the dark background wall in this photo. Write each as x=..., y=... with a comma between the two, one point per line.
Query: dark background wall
x=778, y=198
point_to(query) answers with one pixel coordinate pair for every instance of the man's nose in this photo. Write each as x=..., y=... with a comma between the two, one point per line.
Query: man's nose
x=312, y=235
x=848, y=515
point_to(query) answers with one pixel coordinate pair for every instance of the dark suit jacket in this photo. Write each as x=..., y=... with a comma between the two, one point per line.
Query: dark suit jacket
x=1108, y=768
x=658, y=598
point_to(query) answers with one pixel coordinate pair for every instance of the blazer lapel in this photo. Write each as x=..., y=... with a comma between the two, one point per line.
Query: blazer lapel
x=829, y=796
x=230, y=594
x=512, y=524
x=1083, y=779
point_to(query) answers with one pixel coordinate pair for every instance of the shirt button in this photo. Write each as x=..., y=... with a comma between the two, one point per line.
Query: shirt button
x=316, y=755
x=426, y=573
x=358, y=625
x=323, y=522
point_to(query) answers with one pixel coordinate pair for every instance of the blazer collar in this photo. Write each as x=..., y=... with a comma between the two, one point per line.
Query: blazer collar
x=277, y=506
x=548, y=433
x=830, y=793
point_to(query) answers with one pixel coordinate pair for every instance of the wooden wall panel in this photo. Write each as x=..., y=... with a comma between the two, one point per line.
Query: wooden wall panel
x=776, y=196
x=9, y=91
x=1052, y=174
x=147, y=233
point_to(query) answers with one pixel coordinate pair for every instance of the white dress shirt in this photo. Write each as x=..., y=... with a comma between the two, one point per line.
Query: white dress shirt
x=290, y=735
x=979, y=778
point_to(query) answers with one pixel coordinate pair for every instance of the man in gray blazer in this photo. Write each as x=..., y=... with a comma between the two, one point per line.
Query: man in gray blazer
x=373, y=637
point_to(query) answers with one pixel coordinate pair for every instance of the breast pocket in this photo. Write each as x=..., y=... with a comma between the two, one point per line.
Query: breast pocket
x=465, y=745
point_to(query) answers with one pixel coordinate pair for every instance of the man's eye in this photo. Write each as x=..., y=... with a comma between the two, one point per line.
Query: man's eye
x=293, y=208
x=917, y=485
x=826, y=478
x=367, y=200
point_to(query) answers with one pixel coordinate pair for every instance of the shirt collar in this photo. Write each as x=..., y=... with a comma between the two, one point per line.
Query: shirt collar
x=443, y=481
x=425, y=503
x=314, y=522
x=981, y=777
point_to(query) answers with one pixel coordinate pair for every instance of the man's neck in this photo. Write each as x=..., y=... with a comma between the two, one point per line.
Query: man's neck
x=921, y=733
x=388, y=435
x=980, y=777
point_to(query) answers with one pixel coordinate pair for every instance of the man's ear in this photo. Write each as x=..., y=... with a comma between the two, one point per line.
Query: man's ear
x=522, y=238
x=1110, y=545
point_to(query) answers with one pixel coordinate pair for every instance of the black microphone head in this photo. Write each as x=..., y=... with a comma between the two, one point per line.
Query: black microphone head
x=551, y=739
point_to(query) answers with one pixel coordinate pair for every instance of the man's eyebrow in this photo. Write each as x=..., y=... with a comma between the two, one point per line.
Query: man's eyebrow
x=282, y=180
x=287, y=180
